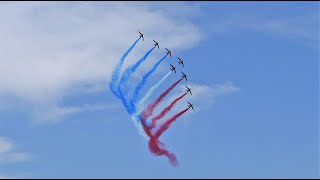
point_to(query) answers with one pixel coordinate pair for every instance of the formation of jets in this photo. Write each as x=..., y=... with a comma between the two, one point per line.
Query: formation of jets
x=173, y=68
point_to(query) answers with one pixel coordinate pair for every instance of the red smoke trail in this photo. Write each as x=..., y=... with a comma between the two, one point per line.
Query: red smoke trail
x=167, y=124
x=156, y=147
x=149, y=110
x=165, y=110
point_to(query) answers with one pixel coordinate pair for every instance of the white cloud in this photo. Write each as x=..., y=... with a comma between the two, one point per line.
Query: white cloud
x=47, y=48
x=7, y=153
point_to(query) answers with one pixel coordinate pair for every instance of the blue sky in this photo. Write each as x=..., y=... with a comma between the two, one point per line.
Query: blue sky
x=253, y=68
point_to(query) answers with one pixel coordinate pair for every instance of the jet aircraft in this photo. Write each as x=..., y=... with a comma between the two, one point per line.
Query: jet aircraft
x=188, y=90
x=168, y=52
x=173, y=68
x=184, y=76
x=141, y=35
x=156, y=44
x=181, y=62
x=190, y=105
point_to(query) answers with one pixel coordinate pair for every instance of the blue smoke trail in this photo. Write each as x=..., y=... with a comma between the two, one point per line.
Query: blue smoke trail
x=126, y=104
x=116, y=85
x=142, y=82
x=116, y=71
x=128, y=72
x=142, y=102
x=123, y=83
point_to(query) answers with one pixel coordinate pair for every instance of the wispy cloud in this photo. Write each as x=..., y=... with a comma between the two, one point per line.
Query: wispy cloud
x=8, y=154
x=48, y=48
x=57, y=113
x=203, y=96
x=4, y=177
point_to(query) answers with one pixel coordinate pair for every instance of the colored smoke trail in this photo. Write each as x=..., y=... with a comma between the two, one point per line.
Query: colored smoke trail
x=142, y=102
x=167, y=124
x=136, y=121
x=143, y=81
x=165, y=110
x=126, y=103
x=149, y=110
x=119, y=87
x=123, y=83
x=156, y=147
x=116, y=71
x=129, y=71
